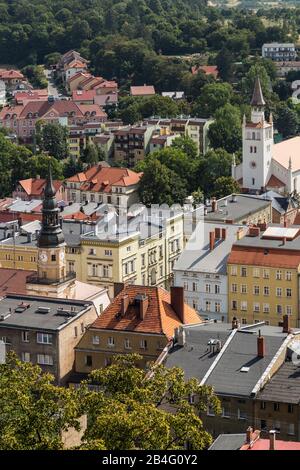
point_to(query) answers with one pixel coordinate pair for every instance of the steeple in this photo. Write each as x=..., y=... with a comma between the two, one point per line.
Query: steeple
x=257, y=97
x=51, y=234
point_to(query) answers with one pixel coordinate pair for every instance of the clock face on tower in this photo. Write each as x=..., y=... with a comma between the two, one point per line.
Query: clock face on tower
x=253, y=165
x=62, y=256
x=43, y=257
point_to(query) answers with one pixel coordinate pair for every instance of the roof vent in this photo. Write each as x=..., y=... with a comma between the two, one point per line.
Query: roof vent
x=4, y=316
x=244, y=369
x=43, y=310
x=65, y=313
x=22, y=307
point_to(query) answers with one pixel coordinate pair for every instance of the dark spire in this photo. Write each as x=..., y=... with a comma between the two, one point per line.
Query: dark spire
x=257, y=97
x=51, y=234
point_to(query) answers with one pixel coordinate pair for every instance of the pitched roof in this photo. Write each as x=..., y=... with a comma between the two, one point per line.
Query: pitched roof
x=264, y=444
x=100, y=178
x=255, y=256
x=286, y=150
x=13, y=281
x=142, y=90
x=83, y=95
x=36, y=186
x=257, y=97
x=10, y=74
x=160, y=318
x=275, y=182
x=284, y=386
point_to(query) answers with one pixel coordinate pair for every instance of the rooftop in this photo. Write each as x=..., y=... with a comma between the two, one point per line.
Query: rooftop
x=142, y=90
x=288, y=150
x=284, y=386
x=236, y=208
x=21, y=311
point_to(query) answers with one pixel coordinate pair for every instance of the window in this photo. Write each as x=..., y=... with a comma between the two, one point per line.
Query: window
x=244, y=321
x=207, y=306
x=290, y=408
x=194, y=287
x=234, y=288
x=253, y=181
x=242, y=414
x=243, y=272
x=75, y=331
x=256, y=307
x=255, y=272
x=105, y=271
x=217, y=307
x=127, y=344
x=266, y=290
x=143, y=260
x=263, y=424
x=276, y=407
x=25, y=356
x=45, y=359
x=291, y=429
x=225, y=412
x=256, y=290
x=210, y=411
x=92, y=251
x=110, y=342
x=96, y=339
x=108, y=252
x=262, y=405
x=278, y=275
x=53, y=257
x=288, y=276
x=25, y=336
x=243, y=289
x=289, y=292
x=234, y=305
x=207, y=288
x=44, y=338
x=233, y=270
x=266, y=308
x=88, y=361
x=94, y=270
x=217, y=289
x=143, y=344
x=186, y=285
x=82, y=327
x=288, y=309
x=278, y=292
x=279, y=309
x=266, y=274
x=195, y=305
x=244, y=305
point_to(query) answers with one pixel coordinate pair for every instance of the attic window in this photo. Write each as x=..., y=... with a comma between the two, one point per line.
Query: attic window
x=245, y=369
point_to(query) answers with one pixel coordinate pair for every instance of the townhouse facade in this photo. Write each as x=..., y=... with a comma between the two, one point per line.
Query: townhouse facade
x=281, y=52
x=132, y=144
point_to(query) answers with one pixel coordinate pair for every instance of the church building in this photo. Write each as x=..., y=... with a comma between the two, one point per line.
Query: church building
x=266, y=166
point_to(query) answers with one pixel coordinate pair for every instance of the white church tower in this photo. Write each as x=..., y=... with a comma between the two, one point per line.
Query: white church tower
x=257, y=145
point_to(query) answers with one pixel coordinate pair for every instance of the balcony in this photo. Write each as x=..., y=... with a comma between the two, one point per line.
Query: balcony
x=34, y=279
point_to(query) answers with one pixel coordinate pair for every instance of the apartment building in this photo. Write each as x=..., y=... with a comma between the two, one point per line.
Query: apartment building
x=45, y=331
x=263, y=276
x=282, y=52
x=132, y=144
x=202, y=268
x=140, y=320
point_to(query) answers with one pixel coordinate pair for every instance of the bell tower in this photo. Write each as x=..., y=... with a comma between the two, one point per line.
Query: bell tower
x=257, y=144
x=51, y=242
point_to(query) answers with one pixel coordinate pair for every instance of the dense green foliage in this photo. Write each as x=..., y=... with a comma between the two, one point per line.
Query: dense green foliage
x=128, y=412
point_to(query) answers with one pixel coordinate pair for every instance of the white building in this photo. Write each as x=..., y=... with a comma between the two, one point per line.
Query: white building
x=279, y=51
x=201, y=268
x=265, y=165
x=2, y=93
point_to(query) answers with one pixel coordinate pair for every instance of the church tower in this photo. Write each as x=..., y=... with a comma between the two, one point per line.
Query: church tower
x=257, y=144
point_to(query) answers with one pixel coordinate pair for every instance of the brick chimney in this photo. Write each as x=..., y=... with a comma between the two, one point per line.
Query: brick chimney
x=214, y=204
x=261, y=347
x=177, y=301
x=124, y=304
x=249, y=435
x=224, y=233
x=272, y=436
x=143, y=303
x=286, y=324
x=217, y=233
x=211, y=240
x=252, y=436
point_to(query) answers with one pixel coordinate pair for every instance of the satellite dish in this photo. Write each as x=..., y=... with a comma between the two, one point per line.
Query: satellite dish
x=295, y=348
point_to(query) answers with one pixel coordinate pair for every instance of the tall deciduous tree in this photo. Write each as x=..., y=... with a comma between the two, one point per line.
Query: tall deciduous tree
x=226, y=131
x=52, y=138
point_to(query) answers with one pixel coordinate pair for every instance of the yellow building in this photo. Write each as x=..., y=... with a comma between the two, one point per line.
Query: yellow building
x=263, y=276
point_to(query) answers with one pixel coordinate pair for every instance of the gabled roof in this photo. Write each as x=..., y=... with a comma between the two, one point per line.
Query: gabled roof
x=35, y=187
x=142, y=90
x=10, y=74
x=160, y=318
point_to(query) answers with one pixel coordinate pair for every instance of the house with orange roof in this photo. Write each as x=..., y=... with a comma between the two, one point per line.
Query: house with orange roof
x=144, y=90
x=140, y=320
x=75, y=81
x=102, y=184
x=206, y=69
x=33, y=188
x=11, y=77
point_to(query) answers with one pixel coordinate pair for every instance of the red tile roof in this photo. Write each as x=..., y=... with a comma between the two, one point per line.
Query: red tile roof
x=13, y=281
x=274, y=182
x=246, y=255
x=35, y=187
x=84, y=75
x=145, y=90
x=10, y=74
x=264, y=444
x=160, y=318
x=99, y=178
x=83, y=95
x=207, y=69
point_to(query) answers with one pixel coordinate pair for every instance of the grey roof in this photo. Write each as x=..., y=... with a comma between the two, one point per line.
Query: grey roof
x=31, y=319
x=228, y=442
x=194, y=358
x=257, y=97
x=227, y=378
x=259, y=242
x=279, y=203
x=24, y=206
x=197, y=256
x=88, y=209
x=238, y=211
x=284, y=386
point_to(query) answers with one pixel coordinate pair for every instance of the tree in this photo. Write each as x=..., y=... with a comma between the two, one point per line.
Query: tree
x=134, y=412
x=224, y=186
x=13, y=161
x=225, y=64
x=215, y=164
x=286, y=120
x=226, y=131
x=90, y=154
x=35, y=75
x=186, y=145
x=39, y=165
x=34, y=412
x=248, y=81
x=160, y=185
x=53, y=138
x=213, y=96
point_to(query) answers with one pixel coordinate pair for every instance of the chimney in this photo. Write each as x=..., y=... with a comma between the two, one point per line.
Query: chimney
x=286, y=324
x=118, y=287
x=283, y=240
x=249, y=435
x=214, y=204
x=235, y=323
x=211, y=240
x=239, y=233
x=124, y=304
x=177, y=301
x=217, y=233
x=261, y=347
x=143, y=301
x=224, y=233
x=272, y=436
x=254, y=232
